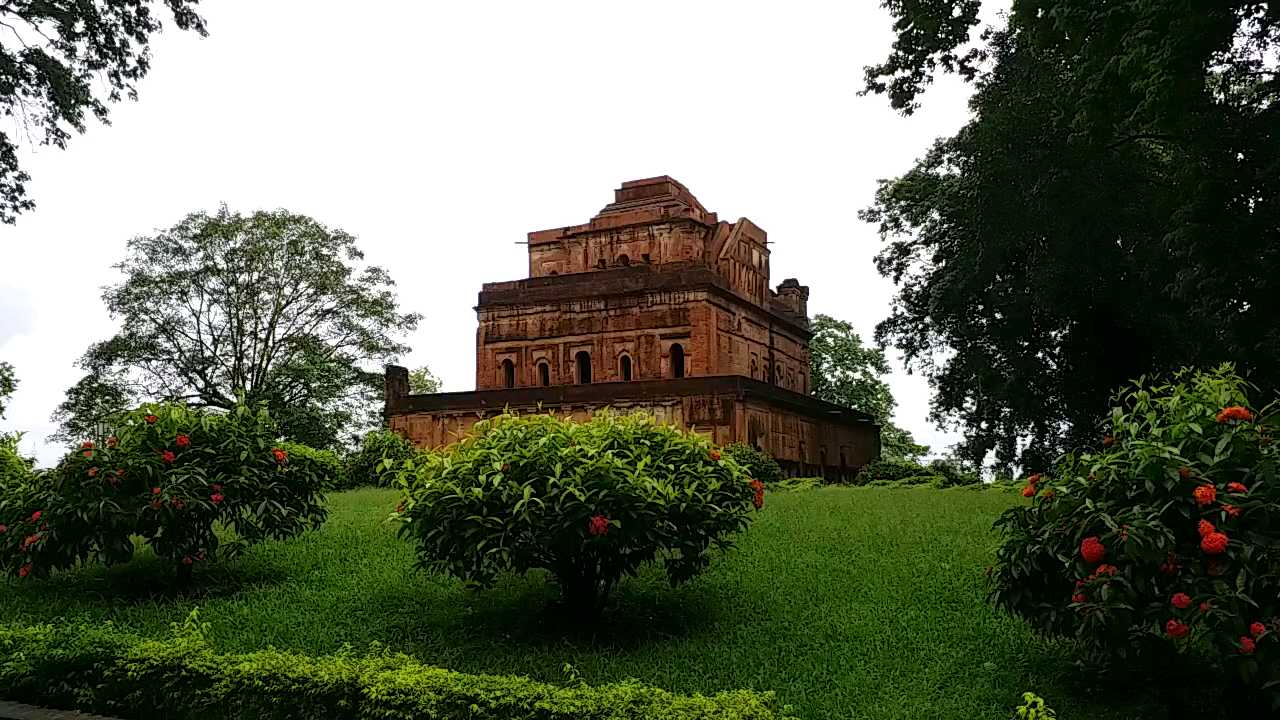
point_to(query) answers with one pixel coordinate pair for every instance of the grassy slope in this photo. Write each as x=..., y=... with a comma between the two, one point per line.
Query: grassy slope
x=850, y=602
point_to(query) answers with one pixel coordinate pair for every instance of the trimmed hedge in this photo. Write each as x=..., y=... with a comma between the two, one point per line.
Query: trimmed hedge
x=758, y=464
x=97, y=669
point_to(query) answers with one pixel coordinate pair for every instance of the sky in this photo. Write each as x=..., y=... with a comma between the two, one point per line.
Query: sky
x=441, y=133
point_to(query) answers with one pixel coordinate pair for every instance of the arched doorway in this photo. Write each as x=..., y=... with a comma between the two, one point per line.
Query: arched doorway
x=508, y=373
x=583, y=359
x=544, y=374
x=624, y=368
x=677, y=360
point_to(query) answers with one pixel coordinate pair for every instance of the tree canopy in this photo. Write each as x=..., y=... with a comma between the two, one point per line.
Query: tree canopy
x=845, y=372
x=61, y=60
x=422, y=381
x=1111, y=209
x=273, y=307
x=7, y=385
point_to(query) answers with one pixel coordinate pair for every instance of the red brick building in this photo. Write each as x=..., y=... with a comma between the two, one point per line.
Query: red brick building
x=655, y=304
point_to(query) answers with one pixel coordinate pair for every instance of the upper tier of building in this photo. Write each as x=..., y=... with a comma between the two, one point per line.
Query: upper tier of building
x=657, y=222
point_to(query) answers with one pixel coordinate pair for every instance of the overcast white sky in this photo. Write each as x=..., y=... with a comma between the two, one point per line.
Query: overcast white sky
x=440, y=133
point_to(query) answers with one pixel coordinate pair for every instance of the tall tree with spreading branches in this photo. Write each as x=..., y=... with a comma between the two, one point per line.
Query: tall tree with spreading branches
x=1112, y=208
x=272, y=308
x=63, y=60
x=846, y=372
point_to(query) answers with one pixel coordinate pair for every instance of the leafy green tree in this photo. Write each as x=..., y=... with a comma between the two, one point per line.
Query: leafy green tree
x=1112, y=209
x=423, y=382
x=62, y=60
x=272, y=308
x=8, y=383
x=846, y=373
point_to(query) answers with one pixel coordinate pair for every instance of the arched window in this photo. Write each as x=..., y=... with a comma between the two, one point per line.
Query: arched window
x=677, y=360
x=584, y=367
x=624, y=368
x=508, y=373
x=544, y=374
x=755, y=366
x=623, y=260
x=769, y=371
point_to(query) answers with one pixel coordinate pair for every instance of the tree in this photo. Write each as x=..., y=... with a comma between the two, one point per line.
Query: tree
x=1110, y=210
x=64, y=59
x=423, y=382
x=7, y=385
x=270, y=307
x=846, y=373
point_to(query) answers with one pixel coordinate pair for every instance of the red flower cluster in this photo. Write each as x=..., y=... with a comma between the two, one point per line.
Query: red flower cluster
x=3, y=528
x=177, y=503
x=216, y=498
x=598, y=525
x=1092, y=549
x=1176, y=629
x=1236, y=487
x=1079, y=598
x=151, y=419
x=187, y=560
x=1205, y=606
x=25, y=570
x=35, y=516
x=758, y=498
x=168, y=456
x=112, y=441
x=1029, y=491
x=1232, y=510
x=1215, y=543
x=155, y=491
x=280, y=455
x=1105, y=569
x=93, y=472
x=1256, y=629
x=1235, y=412
x=1205, y=494
x=182, y=441
x=715, y=454
x=1182, y=601
x=1205, y=528
x=1247, y=645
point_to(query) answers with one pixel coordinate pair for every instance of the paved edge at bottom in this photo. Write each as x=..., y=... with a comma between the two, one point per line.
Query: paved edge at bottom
x=18, y=711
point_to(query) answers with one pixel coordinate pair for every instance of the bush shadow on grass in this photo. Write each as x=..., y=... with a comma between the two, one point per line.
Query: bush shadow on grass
x=526, y=612
x=148, y=579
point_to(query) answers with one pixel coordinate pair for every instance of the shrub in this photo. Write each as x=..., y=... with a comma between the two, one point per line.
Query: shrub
x=953, y=474
x=97, y=669
x=589, y=502
x=14, y=469
x=758, y=464
x=889, y=470
x=1160, y=547
x=169, y=474
x=326, y=465
x=377, y=458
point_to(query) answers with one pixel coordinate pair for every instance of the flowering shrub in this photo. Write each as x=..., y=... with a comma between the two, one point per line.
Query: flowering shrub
x=375, y=461
x=169, y=475
x=589, y=502
x=757, y=464
x=1163, y=543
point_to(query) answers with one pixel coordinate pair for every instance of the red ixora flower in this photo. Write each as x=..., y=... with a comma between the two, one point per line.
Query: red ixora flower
x=177, y=503
x=1235, y=412
x=155, y=491
x=93, y=472
x=113, y=441
x=280, y=455
x=1215, y=543
x=1182, y=601
x=182, y=441
x=187, y=560
x=87, y=445
x=1184, y=472
x=1205, y=528
x=151, y=419
x=1029, y=491
x=1247, y=645
x=1092, y=549
x=1034, y=478
x=598, y=525
x=216, y=498
x=1256, y=628
x=25, y=570
x=1205, y=494
x=35, y=516
x=157, y=504
x=168, y=456
x=757, y=486
x=715, y=454
x=1108, y=441
x=1105, y=569
x=1078, y=598
x=3, y=528
x=1232, y=510
x=758, y=499
x=1236, y=487
x=1176, y=629
x=1205, y=606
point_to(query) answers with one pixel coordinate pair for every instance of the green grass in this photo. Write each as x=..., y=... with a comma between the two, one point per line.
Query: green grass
x=849, y=602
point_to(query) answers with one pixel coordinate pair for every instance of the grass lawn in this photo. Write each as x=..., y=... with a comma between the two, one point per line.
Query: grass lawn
x=849, y=602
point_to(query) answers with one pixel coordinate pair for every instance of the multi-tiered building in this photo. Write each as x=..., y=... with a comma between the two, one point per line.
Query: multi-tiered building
x=655, y=304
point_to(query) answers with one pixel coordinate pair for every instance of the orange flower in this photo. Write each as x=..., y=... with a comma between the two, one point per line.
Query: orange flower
x=1247, y=645
x=1232, y=510
x=1108, y=441
x=1236, y=487
x=1234, y=412
x=1182, y=601
x=1214, y=543
x=1029, y=491
x=715, y=454
x=1205, y=527
x=1034, y=479
x=1205, y=494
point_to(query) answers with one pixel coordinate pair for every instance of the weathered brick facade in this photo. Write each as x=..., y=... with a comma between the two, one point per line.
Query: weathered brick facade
x=654, y=304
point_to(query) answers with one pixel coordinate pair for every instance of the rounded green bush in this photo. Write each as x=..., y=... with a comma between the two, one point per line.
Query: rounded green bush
x=589, y=502
x=1160, y=547
x=757, y=464
x=879, y=471
x=375, y=461
x=170, y=475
